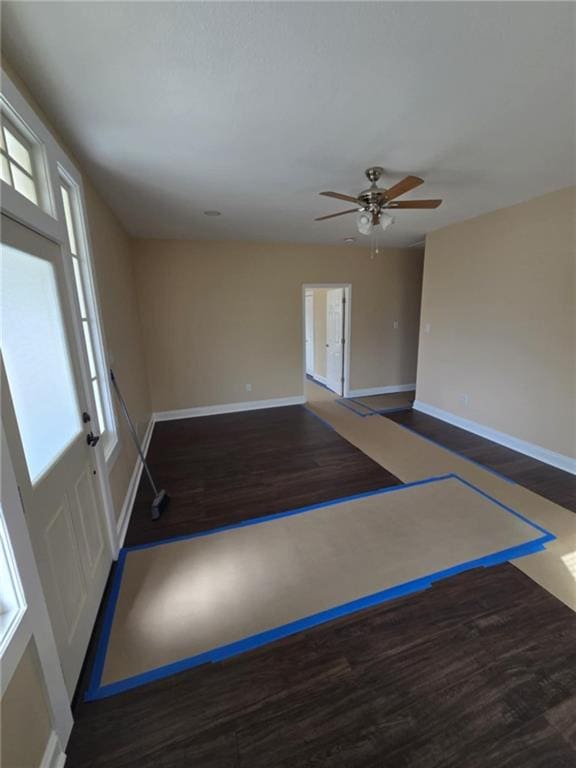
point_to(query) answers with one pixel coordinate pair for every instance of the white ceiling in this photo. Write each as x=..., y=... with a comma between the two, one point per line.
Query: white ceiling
x=254, y=108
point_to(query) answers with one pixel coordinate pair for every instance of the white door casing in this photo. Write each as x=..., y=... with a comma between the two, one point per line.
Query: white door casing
x=335, y=339
x=64, y=510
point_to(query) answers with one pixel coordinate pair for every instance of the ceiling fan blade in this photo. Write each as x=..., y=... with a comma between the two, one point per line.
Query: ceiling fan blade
x=410, y=182
x=414, y=204
x=333, y=215
x=338, y=196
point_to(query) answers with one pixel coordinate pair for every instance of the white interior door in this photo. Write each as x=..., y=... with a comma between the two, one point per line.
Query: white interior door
x=335, y=339
x=309, y=332
x=42, y=405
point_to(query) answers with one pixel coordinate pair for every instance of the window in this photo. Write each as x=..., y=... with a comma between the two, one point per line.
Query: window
x=103, y=419
x=12, y=601
x=36, y=359
x=17, y=164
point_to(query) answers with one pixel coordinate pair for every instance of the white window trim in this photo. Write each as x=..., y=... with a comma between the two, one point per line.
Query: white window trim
x=34, y=624
x=48, y=220
x=36, y=146
x=13, y=612
x=111, y=445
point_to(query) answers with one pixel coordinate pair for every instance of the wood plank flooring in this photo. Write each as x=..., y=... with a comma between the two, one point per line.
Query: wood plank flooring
x=223, y=469
x=479, y=671
x=552, y=483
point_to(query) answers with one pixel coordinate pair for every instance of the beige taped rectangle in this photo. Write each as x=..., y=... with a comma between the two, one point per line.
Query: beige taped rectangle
x=186, y=597
x=411, y=458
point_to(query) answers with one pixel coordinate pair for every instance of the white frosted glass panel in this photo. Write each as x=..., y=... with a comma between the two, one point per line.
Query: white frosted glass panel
x=23, y=184
x=98, y=401
x=6, y=171
x=36, y=359
x=69, y=220
x=79, y=288
x=18, y=151
x=89, y=351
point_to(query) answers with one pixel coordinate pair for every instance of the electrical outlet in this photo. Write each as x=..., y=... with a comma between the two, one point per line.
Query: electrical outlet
x=396, y=324
x=427, y=328
x=464, y=399
x=248, y=387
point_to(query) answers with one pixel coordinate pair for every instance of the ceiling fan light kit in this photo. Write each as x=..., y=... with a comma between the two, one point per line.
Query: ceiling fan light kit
x=372, y=202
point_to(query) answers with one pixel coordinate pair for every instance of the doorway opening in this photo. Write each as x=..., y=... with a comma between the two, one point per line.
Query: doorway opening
x=327, y=336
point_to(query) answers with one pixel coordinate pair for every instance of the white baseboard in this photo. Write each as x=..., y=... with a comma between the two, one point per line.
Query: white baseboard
x=186, y=413
x=382, y=390
x=124, y=518
x=558, y=460
x=53, y=756
x=212, y=410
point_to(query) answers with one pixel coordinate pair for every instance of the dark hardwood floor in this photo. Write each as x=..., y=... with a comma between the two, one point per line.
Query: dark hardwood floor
x=552, y=483
x=222, y=469
x=478, y=671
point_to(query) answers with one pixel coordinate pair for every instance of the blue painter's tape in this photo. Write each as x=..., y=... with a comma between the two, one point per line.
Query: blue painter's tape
x=348, y=404
x=100, y=657
x=460, y=455
x=381, y=411
x=290, y=512
x=326, y=423
x=98, y=691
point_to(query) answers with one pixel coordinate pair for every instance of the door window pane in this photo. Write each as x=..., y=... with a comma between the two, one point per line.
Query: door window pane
x=35, y=353
x=98, y=401
x=89, y=350
x=17, y=165
x=18, y=151
x=5, y=170
x=69, y=220
x=23, y=183
x=79, y=288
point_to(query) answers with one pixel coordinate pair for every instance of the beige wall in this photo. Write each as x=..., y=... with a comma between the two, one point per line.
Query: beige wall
x=219, y=315
x=319, y=299
x=114, y=277
x=112, y=253
x=24, y=716
x=499, y=295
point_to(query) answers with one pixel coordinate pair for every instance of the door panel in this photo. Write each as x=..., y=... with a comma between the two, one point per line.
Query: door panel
x=334, y=337
x=67, y=578
x=92, y=539
x=309, y=333
x=42, y=402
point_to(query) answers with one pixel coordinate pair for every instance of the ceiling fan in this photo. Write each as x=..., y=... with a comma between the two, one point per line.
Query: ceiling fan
x=374, y=201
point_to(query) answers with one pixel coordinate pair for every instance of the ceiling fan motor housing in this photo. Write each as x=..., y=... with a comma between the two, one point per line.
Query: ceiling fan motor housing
x=373, y=198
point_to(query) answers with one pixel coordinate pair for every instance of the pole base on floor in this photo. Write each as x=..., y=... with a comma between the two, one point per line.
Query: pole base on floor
x=159, y=504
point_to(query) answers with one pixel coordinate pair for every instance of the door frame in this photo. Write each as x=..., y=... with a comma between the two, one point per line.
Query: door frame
x=50, y=223
x=47, y=220
x=347, y=331
x=34, y=624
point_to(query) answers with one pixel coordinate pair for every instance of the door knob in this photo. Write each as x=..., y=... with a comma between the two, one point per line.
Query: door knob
x=92, y=439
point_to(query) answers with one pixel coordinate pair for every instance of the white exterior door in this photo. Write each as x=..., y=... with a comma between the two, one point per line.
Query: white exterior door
x=334, y=339
x=42, y=404
x=309, y=332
